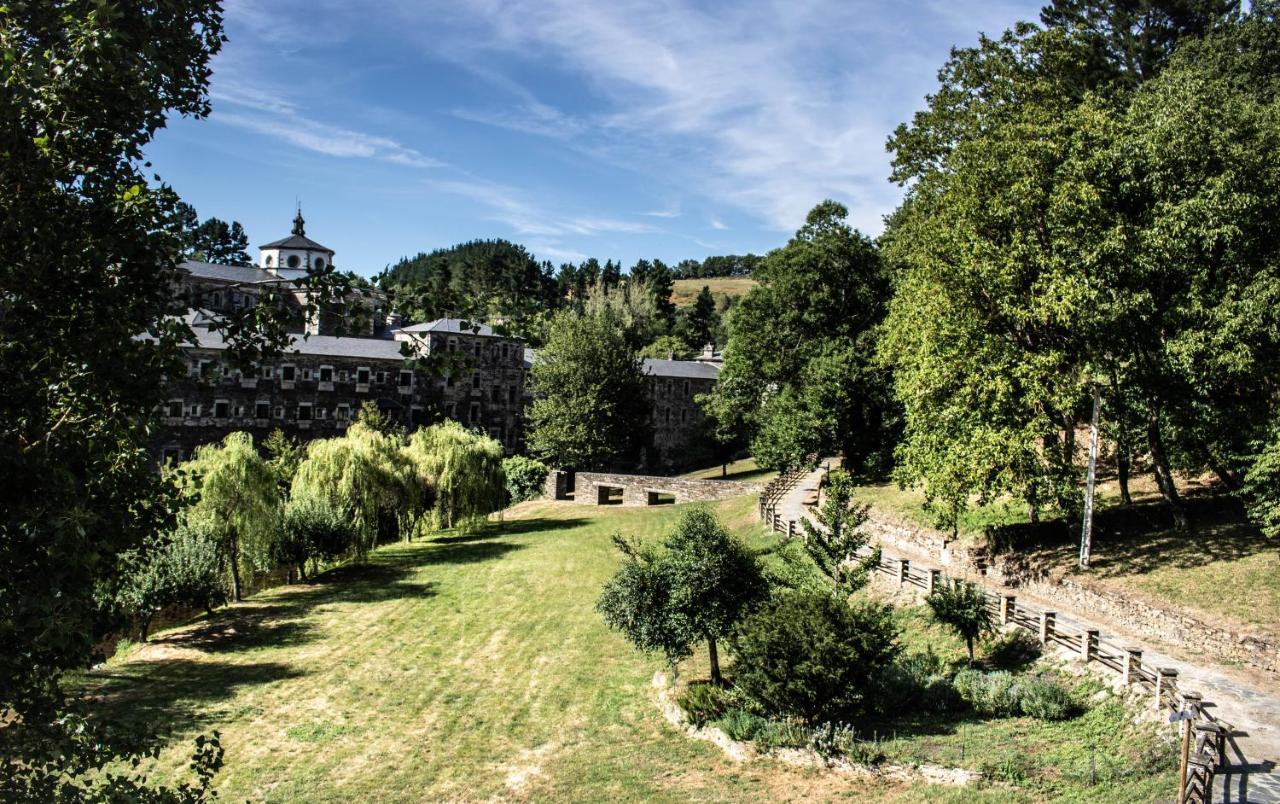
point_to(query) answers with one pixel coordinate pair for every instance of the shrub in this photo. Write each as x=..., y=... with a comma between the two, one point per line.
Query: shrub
x=812, y=656
x=916, y=680
x=832, y=740
x=1045, y=700
x=704, y=703
x=1013, y=651
x=740, y=724
x=525, y=478
x=988, y=693
x=781, y=734
x=311, y=528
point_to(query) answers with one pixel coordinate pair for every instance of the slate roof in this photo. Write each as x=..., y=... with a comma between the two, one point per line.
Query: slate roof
x=453, y=325
x=316, y=345
x=682, y=369
x=228, y=273
x=299, y=242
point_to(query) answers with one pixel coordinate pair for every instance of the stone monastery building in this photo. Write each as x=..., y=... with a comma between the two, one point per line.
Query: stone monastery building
x=317, y=387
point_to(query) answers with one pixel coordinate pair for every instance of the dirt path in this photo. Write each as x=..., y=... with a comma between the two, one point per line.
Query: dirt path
x=1251, y=707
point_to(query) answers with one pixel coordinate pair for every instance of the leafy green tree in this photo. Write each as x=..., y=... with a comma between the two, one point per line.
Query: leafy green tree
x=834, y=541
x=311, y=529
x=695, y=588
x=232, y=492
x=284, y=453
x=1262, y=483
x=591, y=401
x=525, y=478
x=366, y=476
x=811, y=656
x=698, y=323
x=462, y=469
x=668, y=347
x=824, y=292
x=1131, y=40
x=658, y=282
x=963, y=608
x=214, y=240
x=183, y=568
x=630, y=305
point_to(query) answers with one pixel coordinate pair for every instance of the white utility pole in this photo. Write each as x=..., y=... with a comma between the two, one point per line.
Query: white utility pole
x=1086, y=536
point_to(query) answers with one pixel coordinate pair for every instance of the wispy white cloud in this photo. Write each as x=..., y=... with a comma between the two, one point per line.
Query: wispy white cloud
x=251, y=107
x=716, y=223
x=670, y=211
x=783, y=102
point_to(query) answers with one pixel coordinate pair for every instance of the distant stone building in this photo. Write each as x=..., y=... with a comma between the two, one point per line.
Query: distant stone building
x=469, y=374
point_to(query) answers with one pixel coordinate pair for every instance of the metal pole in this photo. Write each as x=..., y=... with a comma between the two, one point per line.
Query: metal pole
x=1086, y=536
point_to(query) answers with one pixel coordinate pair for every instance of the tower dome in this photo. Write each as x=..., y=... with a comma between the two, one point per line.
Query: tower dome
x=295, y=255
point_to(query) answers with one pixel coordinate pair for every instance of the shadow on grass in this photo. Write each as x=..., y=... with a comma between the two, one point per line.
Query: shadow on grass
x=166, y=696
x=246, y=627
x=514, y=527
x=1137, y=539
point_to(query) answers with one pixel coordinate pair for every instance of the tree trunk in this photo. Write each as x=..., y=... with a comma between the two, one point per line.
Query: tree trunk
x=235, y=567
x=1228, y=478
x=724, y=470
x=1164, y=476
x=146, y=628
x=1122, y=471
x=715, y=663
x=968, y=641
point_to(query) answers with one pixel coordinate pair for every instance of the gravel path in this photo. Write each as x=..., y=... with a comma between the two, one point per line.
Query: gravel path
x=1253, y=751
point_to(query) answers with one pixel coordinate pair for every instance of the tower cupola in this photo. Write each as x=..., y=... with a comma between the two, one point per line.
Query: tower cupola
x=293, y=256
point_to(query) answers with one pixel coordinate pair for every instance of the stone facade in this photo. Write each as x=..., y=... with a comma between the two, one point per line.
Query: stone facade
x=674, y=386
x=601, y=488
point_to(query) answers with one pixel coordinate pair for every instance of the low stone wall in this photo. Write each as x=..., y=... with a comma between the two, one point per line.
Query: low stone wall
x=643, y=489
x=1013, y=571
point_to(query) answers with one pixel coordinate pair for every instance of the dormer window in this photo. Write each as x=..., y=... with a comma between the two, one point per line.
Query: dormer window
x=294, y=261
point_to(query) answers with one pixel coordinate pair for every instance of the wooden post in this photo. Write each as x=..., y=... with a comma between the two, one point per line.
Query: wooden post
x=1047, y=619
x=1132, y=663
x=1166, y=681
x=1185, y=725
x=935, y=580
x=904, y=571
x=1090, y=646
x=1086, y=535
x=791, y=529
x=1008, y=605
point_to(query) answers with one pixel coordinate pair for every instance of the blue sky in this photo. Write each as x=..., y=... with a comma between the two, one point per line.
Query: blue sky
x=616, y=129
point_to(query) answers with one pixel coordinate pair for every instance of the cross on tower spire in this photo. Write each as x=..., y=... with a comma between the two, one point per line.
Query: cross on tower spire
x=299, y=223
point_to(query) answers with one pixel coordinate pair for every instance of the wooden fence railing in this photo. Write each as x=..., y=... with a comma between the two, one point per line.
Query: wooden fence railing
x=1208, y=735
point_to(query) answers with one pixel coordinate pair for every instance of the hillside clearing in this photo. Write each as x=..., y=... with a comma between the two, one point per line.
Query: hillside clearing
x=472, y=666
x=686, y=290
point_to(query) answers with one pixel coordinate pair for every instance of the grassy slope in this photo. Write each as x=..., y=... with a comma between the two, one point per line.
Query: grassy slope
x=468, y=667
x=686, y=290
x=742, y=469
x=1224, y=571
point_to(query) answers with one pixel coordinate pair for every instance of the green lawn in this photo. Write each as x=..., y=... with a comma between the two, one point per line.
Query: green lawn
x=468, y=667
x=742, y=469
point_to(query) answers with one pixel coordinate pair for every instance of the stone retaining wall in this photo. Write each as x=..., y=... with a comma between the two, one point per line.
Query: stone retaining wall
x=1013, y=571
x=643, y=489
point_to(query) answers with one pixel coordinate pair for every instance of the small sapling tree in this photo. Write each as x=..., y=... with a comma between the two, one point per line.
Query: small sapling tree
x=963, y=609
x=835, y=540
x=179, y=569
x=695, y=588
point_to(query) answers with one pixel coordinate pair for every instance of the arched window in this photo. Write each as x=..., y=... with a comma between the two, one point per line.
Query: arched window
x=319, y=262
x=293, y=261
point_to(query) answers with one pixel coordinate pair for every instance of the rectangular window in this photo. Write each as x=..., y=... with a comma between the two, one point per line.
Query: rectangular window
x=683, y=415
x=362, y=376
x=304, y=411
x=448, y=381
x=287, y=373
x=221, y=409
x=326, y=375
x=306, y=374
x=382, y=377
x=175, y=408
x=475, y=413
x=268, y=372
x=194, y=411
x=279, y=412
x=320, y=413
x=406, y=379
x=342, y=376
x=686, y=387
x=511, y=395
x=453, y=344
x=342, y=413
x=475, y=379
x=262, y=410
x=496, y=394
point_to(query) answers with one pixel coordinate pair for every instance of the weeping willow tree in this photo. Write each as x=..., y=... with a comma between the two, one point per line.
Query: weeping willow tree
x=462, y=469
x=233, y=495
x=364, y=475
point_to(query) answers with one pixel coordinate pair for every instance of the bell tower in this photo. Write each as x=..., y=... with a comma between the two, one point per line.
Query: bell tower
x=296, y=255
